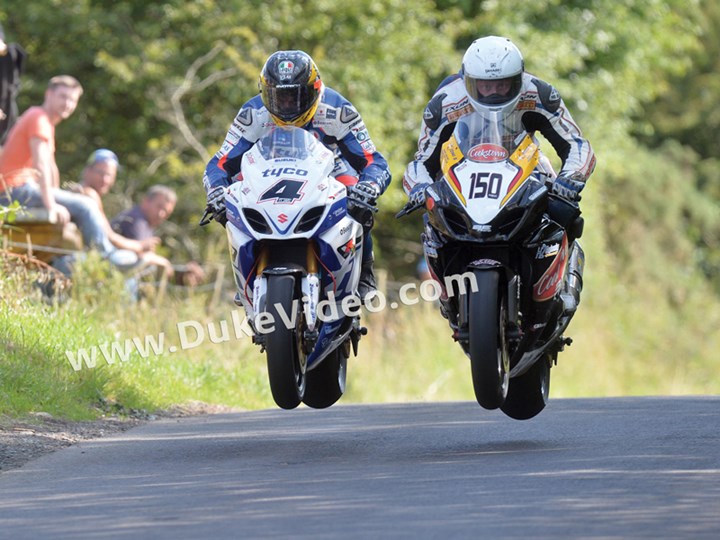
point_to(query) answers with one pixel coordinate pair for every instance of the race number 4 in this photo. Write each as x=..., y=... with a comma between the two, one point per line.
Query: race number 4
x=485, y=184
x=284, y=191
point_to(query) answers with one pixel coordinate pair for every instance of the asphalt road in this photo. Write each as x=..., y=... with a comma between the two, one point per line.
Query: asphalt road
x=584, y=468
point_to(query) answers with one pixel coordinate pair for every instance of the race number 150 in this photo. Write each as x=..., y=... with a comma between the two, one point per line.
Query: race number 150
x=485, y=184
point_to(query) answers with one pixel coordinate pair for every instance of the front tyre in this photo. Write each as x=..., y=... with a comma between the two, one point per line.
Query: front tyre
x=489, y=358
x=528, y=393
x=326, y=383
x=285, y=357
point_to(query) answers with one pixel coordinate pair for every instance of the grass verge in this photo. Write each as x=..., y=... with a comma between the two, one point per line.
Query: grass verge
x=408, y=354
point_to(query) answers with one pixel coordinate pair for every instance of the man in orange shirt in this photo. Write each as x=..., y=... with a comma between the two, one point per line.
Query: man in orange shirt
x=29, y=173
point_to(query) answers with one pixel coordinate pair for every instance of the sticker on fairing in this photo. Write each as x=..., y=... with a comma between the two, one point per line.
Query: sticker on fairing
x=487, y=153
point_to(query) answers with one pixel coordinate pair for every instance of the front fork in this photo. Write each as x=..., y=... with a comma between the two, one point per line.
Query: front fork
x=310, y=285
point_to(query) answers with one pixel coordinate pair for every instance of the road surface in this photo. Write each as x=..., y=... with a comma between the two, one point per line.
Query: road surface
x=584, y=468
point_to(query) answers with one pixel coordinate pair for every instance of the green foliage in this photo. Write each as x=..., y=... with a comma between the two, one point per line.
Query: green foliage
x=9, y=212
x=687, y=109
x=687, y=114
x=164, y=79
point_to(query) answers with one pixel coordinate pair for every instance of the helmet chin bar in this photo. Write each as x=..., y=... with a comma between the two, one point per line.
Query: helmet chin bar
x=503, y=109
x=298, y=121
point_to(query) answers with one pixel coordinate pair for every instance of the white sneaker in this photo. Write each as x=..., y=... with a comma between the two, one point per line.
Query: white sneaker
x=124, y=259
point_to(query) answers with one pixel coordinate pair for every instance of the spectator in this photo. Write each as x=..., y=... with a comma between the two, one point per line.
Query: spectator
x=141, y=221
x=98, y=178
x=12, y=61
x=29, y=172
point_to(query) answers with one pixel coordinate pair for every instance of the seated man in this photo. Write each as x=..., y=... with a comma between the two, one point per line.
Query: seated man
x=98, y=177
x=141, y=221
x=29, y=172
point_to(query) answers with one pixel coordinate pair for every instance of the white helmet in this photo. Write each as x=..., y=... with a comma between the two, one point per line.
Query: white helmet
x=492, y=69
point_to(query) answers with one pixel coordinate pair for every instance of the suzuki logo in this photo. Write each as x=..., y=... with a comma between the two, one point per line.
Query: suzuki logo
x=282, y=218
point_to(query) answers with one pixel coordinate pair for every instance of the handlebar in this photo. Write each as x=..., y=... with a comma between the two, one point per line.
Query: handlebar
x=409, y=208
x=207, y=217
x=372, y=207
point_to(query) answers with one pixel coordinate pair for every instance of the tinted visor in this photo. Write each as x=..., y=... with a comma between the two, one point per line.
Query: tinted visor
x=493, y=91
x=287, y=102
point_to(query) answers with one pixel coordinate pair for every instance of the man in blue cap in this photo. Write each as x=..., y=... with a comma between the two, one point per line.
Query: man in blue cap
x=98, y=178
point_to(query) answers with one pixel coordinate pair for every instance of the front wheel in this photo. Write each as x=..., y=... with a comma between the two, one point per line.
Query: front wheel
x=528, y=393
x=489, y=358
x=285, y=356
x=326, y=383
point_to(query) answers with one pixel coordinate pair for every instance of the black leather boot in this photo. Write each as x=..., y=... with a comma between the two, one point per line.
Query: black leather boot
x=367, y=282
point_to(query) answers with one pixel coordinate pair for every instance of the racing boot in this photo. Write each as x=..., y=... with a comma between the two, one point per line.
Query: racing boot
x=367, y=283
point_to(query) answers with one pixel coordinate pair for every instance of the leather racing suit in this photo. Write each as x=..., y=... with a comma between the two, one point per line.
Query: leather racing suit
x=336, y=123
x=541, y=109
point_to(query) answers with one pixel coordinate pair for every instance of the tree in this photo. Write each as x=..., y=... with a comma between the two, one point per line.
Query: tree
x=164, y=79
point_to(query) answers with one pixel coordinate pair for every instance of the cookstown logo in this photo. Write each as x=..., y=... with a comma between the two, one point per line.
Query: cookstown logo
x=487, y=153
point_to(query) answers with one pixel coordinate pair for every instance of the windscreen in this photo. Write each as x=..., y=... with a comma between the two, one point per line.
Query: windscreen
x=287, y=142
x=489, y=137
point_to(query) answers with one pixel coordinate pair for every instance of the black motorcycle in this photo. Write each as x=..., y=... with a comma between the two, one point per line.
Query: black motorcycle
x=503, y=250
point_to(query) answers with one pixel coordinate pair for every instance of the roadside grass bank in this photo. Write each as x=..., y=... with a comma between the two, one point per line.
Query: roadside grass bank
x=408, y=354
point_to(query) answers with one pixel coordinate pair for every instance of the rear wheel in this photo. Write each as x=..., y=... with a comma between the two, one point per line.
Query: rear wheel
x=528, y=393
x=487, y=320
x=285, y=356
x=326, y=383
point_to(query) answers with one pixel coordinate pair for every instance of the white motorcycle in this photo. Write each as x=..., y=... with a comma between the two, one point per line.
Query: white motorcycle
x=296, y=255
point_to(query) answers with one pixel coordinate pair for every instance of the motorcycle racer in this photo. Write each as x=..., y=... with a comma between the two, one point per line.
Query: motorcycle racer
x=293, y=94
x=493, y=80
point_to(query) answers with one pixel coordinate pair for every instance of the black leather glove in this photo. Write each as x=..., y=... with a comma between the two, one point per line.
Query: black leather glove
x=364, y=193
x=216, y=204
x=567, y=188
x=362, y=203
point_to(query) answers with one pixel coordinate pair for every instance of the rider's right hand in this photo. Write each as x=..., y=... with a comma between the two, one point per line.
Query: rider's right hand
x=216, y=204
x=417, y=195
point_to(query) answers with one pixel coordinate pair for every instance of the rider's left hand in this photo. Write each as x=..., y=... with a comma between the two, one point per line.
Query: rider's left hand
x=567, y=188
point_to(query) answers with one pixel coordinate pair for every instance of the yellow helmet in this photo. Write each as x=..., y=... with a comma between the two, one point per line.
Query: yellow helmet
x=290, y=87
